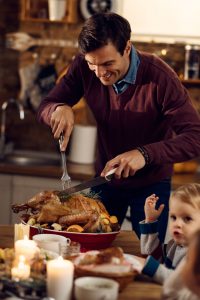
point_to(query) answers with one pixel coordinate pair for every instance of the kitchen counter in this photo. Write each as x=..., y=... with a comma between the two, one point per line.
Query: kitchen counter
x=18, y=183
x=80, y=172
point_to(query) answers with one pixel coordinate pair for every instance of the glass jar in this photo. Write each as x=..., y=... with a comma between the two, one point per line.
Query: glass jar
x=192, y=62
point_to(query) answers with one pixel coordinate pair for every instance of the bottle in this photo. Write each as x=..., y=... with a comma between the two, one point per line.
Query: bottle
x=192, y=62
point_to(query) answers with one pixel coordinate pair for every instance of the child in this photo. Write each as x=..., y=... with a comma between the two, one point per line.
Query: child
x=184, y=283
x=184, y=215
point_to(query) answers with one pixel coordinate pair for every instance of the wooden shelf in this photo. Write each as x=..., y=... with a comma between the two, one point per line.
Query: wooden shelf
x=39, y=20
x=34, y=9
x=38, y=11
x=191, y=82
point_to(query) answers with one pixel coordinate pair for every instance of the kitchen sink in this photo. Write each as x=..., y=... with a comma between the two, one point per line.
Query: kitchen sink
x=32, y=158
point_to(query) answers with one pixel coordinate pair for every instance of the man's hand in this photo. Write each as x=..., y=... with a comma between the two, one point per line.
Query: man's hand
x=62, y=120
x=151, y=213
x=127, y=164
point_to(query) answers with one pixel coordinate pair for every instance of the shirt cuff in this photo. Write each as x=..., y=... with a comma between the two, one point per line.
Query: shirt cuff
x=151, y=266
x=147, y=228
x=145, y=154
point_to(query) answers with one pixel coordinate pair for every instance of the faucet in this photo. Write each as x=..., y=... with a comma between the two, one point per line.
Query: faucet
x=3, y=121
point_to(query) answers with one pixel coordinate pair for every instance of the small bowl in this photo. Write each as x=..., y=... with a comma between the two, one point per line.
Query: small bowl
x=51, y=242
x=98, y=288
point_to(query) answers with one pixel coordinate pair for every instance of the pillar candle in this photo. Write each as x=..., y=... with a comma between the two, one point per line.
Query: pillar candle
x=26, y=247
x=60, y=275
x=20, y=231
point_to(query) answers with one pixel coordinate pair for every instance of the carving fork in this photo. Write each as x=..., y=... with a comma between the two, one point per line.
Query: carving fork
x=65, y=179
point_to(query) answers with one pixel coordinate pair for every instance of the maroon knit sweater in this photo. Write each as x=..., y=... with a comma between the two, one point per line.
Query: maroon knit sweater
x=155, y=112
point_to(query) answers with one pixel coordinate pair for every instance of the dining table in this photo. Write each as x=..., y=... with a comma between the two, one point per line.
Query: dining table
x=139, y=289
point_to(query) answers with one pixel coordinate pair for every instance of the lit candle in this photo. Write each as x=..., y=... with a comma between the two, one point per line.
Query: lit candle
x=22, y=270
x=20, y=230
x=26, y=247
x=60, y=275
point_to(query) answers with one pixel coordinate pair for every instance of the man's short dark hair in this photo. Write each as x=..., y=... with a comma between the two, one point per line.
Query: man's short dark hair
x=102, y=28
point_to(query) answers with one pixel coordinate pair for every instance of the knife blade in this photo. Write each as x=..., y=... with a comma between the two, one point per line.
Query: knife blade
x=85, y=185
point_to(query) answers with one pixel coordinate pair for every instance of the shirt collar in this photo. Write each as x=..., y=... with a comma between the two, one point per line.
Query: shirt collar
x=130, y=77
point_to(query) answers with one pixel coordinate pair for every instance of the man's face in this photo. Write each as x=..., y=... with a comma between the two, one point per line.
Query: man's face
x=184, y=220
x=108, y=64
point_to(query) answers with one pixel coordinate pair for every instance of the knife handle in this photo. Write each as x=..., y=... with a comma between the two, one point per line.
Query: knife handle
x=109, y=174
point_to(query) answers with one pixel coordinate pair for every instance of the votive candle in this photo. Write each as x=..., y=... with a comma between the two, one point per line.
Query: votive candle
x=21, y=271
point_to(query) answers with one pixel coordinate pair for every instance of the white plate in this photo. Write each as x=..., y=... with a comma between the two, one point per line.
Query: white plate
x=133, y=261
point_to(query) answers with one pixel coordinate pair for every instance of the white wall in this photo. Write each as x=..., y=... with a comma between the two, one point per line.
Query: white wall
x=167, y=20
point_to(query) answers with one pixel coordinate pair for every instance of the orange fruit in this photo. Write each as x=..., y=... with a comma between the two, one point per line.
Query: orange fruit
x=113, y=219
x=75, y=228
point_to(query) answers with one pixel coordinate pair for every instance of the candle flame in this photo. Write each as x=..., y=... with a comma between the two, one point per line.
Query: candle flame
x=21, y=265
x=22, y=258
x=60, y=258
x=21, y=271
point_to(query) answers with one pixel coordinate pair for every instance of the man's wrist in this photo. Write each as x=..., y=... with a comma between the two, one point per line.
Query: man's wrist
x=145, y=154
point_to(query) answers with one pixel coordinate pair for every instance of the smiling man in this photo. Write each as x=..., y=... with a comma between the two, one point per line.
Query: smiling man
x=112, y=69
x=145, y=119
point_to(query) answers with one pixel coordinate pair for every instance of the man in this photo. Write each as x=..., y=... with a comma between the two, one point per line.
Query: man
x=144, y=116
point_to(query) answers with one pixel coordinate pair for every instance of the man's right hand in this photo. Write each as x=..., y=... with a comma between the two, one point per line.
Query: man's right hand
x=62, y=120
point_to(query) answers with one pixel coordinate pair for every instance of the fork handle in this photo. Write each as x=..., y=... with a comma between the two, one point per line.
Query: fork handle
x=63, y=157
x=61, y=139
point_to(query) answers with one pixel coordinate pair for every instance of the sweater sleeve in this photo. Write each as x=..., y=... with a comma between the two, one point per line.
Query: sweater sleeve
x=149, y=240
x=158, y=272
x=183, y=120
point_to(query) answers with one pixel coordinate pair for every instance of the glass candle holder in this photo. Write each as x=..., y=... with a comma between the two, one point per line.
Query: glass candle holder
x=20, y=269
x=71, y=249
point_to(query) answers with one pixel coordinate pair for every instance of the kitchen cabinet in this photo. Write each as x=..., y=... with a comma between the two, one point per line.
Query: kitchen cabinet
x=26, y=187
x=34, y=10
x=59, y=11
x=5, y=198
x=19, y=189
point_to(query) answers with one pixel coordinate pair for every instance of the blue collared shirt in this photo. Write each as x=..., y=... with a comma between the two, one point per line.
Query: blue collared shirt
x=130, y=77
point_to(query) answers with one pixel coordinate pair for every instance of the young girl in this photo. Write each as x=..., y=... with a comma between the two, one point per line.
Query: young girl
x=184, y=215
x=184, y=283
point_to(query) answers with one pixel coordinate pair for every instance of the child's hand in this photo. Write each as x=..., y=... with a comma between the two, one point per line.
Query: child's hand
x=151, y=213
x=140, y=263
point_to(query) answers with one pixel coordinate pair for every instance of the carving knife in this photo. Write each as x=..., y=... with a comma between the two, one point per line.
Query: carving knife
x=85, y=185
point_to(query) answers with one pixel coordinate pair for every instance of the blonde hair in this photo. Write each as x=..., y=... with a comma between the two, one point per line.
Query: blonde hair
x=188, y=193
